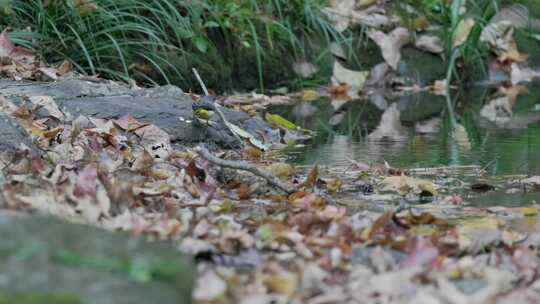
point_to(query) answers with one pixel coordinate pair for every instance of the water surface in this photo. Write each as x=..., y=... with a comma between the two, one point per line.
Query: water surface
x=498, y=132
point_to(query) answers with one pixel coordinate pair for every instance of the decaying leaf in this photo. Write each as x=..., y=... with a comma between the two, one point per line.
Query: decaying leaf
x=520, y=74
x=354, y=80
x=390, y=127
x=47, y=103
x=305, y=69
x=390, y=44
x=405, y=184
x=461, y=34
x=311, y=179
x=85, y=6
x=209, y=287
x=283, y=283
x=246, y=135
x=309, y=95
x=281, y=170
x=429, y=43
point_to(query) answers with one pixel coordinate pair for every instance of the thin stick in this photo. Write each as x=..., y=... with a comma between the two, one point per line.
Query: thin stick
x=445, y=169
x=217, y=107
x=241, y=165
x=203, y=86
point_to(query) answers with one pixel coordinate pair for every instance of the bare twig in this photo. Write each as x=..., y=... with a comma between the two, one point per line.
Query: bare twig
x=203, y=86
x=447, y=169
x=241, y=165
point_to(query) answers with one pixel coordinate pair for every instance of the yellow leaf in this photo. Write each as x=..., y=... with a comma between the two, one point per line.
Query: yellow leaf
x=462, y=32
x=281, y=170
x=364, y=3
x=282, y=283
x=423, y=230
x=280, y=121
x=309, y=95
x=405, y=184
x=334, y=185
x=529, y=211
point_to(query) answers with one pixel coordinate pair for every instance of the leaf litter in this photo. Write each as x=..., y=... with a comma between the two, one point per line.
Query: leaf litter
x=256, y=244
x=303, y=247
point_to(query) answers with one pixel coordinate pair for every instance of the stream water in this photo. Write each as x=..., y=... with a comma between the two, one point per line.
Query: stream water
x=500, y=133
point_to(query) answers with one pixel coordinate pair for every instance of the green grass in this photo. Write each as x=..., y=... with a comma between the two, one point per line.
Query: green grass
x=242, y=43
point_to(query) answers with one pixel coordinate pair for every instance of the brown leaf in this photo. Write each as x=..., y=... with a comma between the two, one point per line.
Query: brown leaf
x=380, y=223
x=64, y=68
x=6, y=47
x=244, y=191
x=195, y=172
x=310, y=200
x=143, y=162
x=252, y=152
x=281, y=170
x=85, y=6
x=429, y=43
x=423, y=218
x=86, y=181
x=391, y=44
x=311, y=179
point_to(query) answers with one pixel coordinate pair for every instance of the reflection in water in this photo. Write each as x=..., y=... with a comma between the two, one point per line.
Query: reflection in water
x=415, y=132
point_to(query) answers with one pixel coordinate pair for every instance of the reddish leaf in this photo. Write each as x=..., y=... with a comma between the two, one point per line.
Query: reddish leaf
x=244, y=192
x=86, y=182
x=195, y=172
x=420, y=252
x=311, y=179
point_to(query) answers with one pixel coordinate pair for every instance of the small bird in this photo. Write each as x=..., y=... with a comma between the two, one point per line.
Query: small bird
x=204, y=110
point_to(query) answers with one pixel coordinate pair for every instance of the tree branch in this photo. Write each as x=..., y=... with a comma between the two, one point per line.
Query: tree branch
x=241, y=165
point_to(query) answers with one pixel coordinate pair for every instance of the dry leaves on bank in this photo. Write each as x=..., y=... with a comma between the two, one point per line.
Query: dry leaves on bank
x=20, y=63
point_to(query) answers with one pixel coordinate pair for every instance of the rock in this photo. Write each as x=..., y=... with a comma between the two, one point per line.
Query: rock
x=420, y=106
x=167, y=107
x=12, y=135
x=45, y=260
x=420, y=67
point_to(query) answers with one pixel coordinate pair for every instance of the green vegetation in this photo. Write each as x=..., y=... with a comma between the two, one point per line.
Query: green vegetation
x=38, y=298
x=245, y=43
x=138, y=269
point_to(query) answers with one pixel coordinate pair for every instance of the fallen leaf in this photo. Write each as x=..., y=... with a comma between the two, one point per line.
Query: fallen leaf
x=209, y=287
x=391, y=44
x=440, y=87
x=354, y=80
x=462, y=32
x=283, y=283
x=195, y=172
x=309, y=201
x=334, y=185
x=246, y=135
x=429, y=43
x=420, y=252
x=311, y=179
x=519, y=74
x=85, y=7
x=305, y=69
x=86, y=182
x=405, y=184
x=281, y=170
x=390, y=127
x=533, y=180
x=48, y=103
x=309, y=95
x=278, y=120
